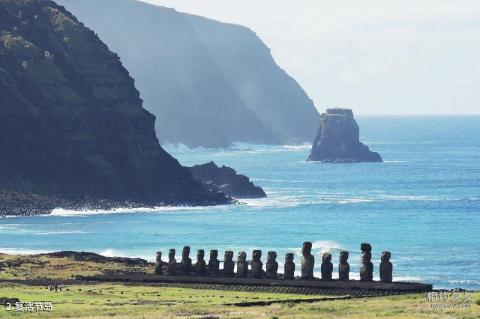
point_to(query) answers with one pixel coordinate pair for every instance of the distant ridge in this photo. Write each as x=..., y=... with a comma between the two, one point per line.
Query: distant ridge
x=209, y=84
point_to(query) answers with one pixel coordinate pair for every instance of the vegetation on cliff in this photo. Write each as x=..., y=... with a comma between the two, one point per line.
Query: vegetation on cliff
x=72, y=124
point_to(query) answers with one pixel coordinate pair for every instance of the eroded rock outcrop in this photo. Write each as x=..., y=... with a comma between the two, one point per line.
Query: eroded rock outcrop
x=72, y=126
x=338, y=139
x=226, y=180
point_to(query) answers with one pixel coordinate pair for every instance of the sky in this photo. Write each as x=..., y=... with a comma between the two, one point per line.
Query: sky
x=374, y=56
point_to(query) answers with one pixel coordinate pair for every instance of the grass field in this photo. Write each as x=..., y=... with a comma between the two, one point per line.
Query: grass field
x=150, y=301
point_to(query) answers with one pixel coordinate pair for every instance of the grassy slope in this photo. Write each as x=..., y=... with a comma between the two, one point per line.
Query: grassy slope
x=150, y=301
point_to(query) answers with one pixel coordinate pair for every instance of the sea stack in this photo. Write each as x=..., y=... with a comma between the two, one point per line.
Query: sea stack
x=338, y=140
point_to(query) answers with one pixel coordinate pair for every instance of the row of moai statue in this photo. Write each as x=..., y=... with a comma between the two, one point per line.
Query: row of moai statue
x=201, y=268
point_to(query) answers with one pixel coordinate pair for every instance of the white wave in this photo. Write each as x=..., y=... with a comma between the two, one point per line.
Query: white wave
x=109, y=252
x=16, y=251
x=408, y=197
x=393, y=162
x=47, y=233
x=464, y=282
x=355, y=200
x=405, y=278
x=162, y=209
x=326, y=245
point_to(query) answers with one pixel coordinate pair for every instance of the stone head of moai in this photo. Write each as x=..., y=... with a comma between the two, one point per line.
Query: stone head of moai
x=213, y=254
x=200, y=254
x=289, y=257
x=326, y=257
x=242, y=256
x=257, y=255
x=343, y=257
x=171, y=254
x=307, y=248
x=271, y=256
x=186, y=252
x=364, y=247
x=386, y=255
x=158, y=257
x=228, y=255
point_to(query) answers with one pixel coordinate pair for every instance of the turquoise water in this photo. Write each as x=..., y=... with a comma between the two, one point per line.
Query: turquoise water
x=422, y=204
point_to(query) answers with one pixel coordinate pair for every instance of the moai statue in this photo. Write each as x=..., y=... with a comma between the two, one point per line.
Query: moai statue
x=257, y=265
x=271, y=265
x=327, y=266
x=172, y=263
x=186, y=263
x=158, y=264
x=289, y=267
x=366, y=266
x=386, y=268
x=200, y=265
x=228, y=264
x=213, y=263
x=308, y=261
x=343, y=266
x=242, y=265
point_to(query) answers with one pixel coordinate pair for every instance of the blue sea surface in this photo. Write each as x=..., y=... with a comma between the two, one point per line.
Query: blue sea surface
x=422, y=204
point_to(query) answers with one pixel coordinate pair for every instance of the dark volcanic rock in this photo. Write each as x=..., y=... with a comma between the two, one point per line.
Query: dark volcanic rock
x=88, y=256
x=226, y=180
x=72, y=126
x=338, y=140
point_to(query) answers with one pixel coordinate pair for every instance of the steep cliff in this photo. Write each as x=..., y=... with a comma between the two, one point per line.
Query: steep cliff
x=265, y=89
x=71, y=121
x=338, y=139
x=209, y=84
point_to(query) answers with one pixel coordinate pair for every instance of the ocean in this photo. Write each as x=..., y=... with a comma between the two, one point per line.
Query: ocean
x=422, y=204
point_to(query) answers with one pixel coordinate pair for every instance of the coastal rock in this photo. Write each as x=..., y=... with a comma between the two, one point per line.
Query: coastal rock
x=338, y=140
x=226, y=180
x=72, y=126
x=93, y=257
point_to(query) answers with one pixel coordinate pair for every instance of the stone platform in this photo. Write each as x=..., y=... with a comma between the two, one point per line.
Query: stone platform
x=352, y=288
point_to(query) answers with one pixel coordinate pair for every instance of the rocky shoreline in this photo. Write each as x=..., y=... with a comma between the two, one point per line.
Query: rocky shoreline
x=25, y=204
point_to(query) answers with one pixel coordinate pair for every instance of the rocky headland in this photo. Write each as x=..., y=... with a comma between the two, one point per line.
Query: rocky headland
x=338, y=140
x=226, y=180
x=73, y=131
